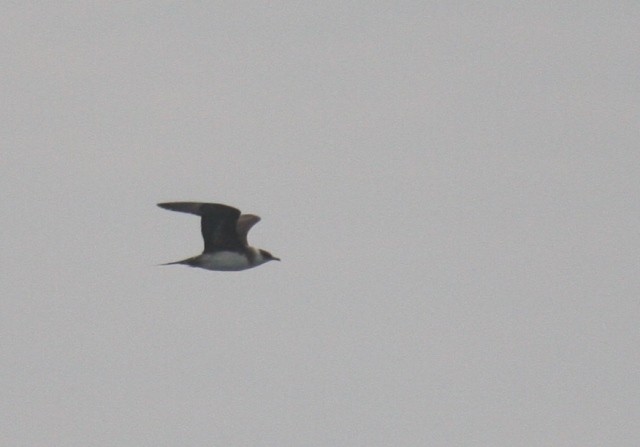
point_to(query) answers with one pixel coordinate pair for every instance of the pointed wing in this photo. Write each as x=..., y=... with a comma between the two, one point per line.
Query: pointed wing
x=245, y=222
x=218, y=223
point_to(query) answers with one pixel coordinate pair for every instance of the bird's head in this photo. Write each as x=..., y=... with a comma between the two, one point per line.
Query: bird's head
x=266, y=256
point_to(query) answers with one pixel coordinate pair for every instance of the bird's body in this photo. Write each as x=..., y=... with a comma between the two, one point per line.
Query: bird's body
x=224, y=231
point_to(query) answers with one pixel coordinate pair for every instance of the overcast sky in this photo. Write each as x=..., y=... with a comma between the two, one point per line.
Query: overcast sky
x=453, y=188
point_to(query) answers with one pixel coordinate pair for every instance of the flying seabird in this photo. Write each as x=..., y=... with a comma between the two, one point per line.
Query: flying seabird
x=224, y=231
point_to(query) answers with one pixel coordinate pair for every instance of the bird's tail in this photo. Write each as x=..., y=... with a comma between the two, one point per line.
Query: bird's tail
x=188, y=261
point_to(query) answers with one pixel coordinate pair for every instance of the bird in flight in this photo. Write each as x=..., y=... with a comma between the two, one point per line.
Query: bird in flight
x=224, y=231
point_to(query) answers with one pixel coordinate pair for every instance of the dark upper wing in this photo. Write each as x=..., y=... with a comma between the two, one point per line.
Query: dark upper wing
x=218, y=223
x=245, y=222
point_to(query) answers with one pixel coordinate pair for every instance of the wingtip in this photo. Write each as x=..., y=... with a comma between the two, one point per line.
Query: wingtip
x=199, y=208
x=182, y=207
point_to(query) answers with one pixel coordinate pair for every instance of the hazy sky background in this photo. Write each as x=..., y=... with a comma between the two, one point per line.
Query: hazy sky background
x=453, y=188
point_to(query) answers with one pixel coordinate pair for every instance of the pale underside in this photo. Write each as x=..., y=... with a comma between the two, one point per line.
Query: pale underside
x=228, y=261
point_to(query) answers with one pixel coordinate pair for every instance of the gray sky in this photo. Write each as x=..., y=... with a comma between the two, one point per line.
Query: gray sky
x=452, y=187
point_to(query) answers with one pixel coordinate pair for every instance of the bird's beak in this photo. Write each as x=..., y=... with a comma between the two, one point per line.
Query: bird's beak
x=276, y=259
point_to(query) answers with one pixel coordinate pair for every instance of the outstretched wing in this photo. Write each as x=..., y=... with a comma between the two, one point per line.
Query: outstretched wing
x=218, y=223
x=245, y=222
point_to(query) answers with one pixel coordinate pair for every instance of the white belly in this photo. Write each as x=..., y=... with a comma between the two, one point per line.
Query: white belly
x=225, y=261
